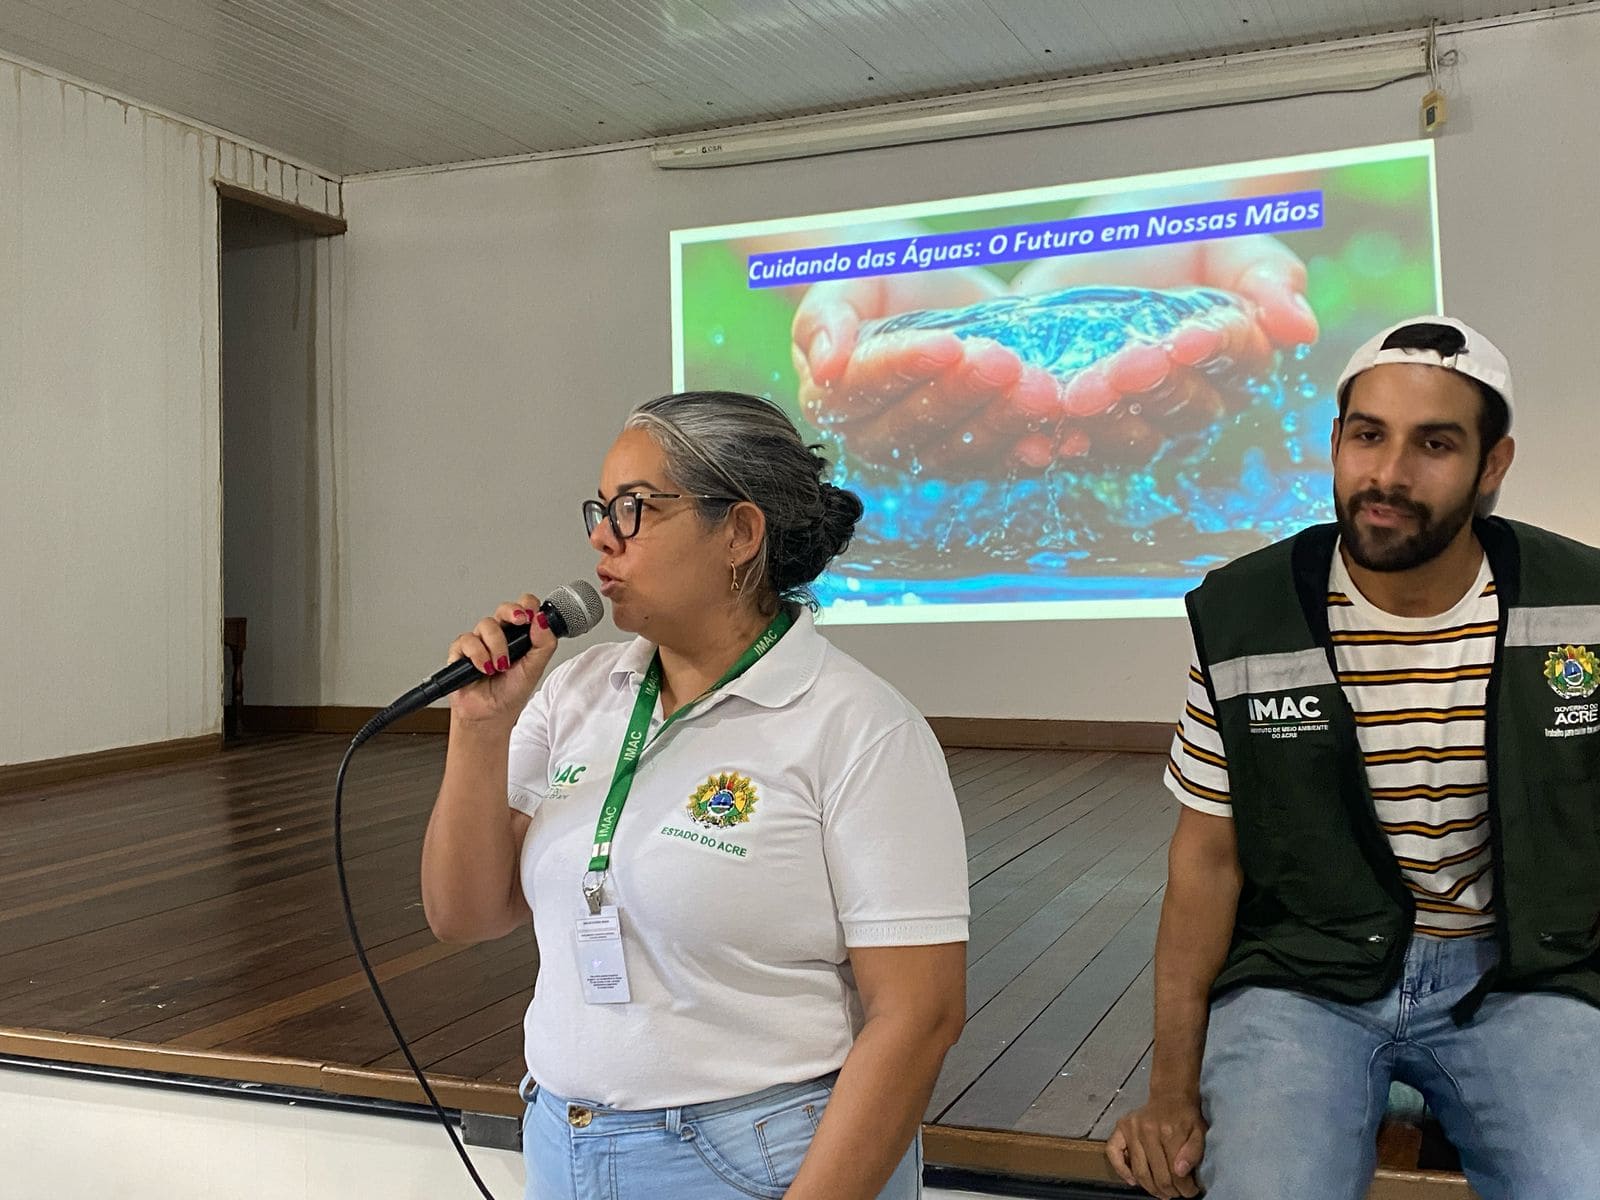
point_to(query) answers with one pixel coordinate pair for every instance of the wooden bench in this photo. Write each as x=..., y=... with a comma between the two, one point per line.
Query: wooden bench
x=1410, y=1139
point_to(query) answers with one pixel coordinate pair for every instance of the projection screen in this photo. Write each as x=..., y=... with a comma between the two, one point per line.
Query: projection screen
x=1065, y=402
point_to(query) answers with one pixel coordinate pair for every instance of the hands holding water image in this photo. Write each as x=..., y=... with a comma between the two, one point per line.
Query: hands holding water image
x=930, y=393
x=1092, y=360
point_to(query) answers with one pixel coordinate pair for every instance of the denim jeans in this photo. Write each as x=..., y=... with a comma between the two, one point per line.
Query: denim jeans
x=1294, y=1087
x=748, y=1146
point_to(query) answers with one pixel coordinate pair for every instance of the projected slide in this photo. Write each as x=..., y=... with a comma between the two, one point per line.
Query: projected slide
x=1069, y=401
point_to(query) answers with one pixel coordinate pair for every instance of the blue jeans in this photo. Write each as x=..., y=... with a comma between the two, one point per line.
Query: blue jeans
x=748, y=1146
x=1294, y=1087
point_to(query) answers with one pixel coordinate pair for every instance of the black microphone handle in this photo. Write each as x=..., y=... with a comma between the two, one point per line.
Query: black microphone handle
x=462, y=672
x=518, y=641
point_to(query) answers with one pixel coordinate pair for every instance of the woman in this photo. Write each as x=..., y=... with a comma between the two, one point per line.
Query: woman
x=749, y=895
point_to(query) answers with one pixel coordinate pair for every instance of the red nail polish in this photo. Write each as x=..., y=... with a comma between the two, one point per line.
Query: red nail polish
x=488, y=667
x=504, y=664
x=544, y=621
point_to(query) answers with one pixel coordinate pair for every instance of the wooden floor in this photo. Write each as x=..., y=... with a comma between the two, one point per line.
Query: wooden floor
x=194, y=907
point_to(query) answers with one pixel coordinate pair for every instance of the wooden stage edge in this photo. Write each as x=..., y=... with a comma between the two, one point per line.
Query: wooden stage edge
x=310, y=1075
x=1023, y=1156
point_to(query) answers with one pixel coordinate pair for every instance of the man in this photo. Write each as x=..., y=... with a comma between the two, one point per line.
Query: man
x=1387, y=865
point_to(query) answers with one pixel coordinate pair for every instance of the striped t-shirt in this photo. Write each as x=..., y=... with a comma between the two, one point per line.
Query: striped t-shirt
x=1417, y=687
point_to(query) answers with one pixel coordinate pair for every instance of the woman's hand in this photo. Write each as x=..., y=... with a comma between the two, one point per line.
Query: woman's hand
x=503, y=692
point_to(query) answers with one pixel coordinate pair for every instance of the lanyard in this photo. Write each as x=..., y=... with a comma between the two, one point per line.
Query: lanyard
x=633, y=745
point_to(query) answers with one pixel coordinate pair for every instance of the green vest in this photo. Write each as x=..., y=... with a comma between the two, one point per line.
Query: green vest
x=1323, y=908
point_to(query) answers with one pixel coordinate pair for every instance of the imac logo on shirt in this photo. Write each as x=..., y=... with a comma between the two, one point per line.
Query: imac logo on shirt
x=564, y=780
x=1287, y=716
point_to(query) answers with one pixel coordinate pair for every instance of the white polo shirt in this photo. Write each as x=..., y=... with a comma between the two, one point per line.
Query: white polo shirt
x=803, y=809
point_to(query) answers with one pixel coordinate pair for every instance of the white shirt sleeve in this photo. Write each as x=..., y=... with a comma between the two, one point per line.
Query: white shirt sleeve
x=528, y=768
x=1197, y=770
x=894, y=845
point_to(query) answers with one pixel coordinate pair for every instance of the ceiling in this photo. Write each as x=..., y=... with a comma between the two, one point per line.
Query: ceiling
x=354, y=86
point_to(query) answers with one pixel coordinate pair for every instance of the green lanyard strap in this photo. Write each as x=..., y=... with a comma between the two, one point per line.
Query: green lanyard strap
x=633, y=744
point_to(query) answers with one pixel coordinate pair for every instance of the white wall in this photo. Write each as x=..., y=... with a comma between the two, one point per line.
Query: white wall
x=76, y=1137
x=503, y=319
x=110, y=520
x=72, y=1137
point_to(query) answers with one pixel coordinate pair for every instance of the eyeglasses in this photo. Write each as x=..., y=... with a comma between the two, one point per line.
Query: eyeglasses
x=623, y=510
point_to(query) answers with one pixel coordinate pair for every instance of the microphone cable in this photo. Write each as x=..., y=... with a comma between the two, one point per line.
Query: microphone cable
x=571, y=610
x=371, y=727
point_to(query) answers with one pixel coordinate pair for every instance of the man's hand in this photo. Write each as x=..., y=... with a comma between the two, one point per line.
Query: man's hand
x=1157, y=1147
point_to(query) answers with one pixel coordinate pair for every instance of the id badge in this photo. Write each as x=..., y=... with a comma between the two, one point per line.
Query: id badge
x=605, y=975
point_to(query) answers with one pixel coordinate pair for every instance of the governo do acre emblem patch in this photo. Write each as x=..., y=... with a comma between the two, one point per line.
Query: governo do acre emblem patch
x=1573, y=672
x=723, y=800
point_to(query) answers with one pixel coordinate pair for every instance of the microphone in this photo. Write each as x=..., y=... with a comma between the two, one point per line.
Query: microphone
x=571, y=610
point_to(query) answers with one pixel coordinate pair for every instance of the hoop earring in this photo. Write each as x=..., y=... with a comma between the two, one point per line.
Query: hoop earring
x=733, y=583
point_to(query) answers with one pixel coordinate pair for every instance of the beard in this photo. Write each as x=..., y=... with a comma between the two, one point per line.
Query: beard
x=1393, y=549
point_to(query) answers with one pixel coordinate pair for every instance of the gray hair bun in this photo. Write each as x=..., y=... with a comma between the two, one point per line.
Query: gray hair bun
x=734, y=444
